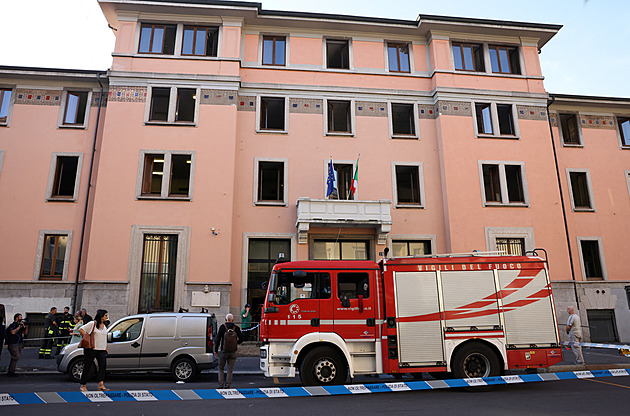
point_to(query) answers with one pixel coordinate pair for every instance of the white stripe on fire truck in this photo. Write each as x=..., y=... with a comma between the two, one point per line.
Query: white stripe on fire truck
x=279, y=392
x=474, y=334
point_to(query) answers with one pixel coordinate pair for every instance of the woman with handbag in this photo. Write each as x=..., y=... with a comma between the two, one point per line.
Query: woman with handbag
x=94, y=344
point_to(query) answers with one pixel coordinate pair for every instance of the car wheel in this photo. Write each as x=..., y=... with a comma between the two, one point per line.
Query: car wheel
x=184, y=369
x=75, y=369
x=323, y=366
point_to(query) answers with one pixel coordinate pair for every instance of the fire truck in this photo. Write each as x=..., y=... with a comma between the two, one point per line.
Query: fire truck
x=461, y=316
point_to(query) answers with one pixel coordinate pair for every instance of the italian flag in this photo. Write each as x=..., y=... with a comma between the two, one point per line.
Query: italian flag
x=355, y=181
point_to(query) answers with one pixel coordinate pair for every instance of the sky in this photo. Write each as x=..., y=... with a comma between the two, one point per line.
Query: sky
x=589, y=56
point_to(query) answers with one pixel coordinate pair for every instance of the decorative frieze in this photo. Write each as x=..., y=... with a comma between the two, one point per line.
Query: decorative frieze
x=38, y=97
x=246, y=103
x=526, y=112
x=427, y=111
x=553, y=118
x=127, y=94
x=597, y=122
x=306, y=105
x=455, y=108
x=371, y=109
x=218, y=97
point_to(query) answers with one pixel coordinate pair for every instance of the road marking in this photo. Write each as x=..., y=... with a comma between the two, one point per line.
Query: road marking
x=605, y=382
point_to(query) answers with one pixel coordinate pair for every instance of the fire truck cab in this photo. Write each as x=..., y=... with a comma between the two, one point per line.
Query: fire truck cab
x=462, y=316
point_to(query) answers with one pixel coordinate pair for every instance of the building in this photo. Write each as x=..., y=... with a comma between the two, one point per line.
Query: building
x=213, y=133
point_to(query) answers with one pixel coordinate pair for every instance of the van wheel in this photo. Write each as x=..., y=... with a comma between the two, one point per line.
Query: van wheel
x=476, y=360
x=184, y=369
x=323, y=366
x=75, y=369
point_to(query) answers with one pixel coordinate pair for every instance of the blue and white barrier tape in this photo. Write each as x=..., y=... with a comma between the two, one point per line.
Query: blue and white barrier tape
x=277, y=392
x=594, y=345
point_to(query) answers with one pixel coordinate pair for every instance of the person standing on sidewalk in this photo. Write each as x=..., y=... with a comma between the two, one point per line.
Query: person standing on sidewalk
x=574, y=329
x=246, y=321
x=50, y=332
x=228, y=338
x=15, y=340
x=64, y=325
x=98, y=329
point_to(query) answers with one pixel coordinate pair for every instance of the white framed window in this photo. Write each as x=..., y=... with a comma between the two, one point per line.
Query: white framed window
x=580, y=190
x=166, y=174
x=622, y=123
x=399, y=57
x=408, y=184
x=503, y=183
x=75, y=109
x=7, y=98
x=344, y=175
x=592, y=261
x=510, y=240
x=337, y=52
x=53, y=255
x=339, y=117
x=403, y=120
x=403, y=245
x=172, y=105
x=64, y=177
x=271, y=177
x=272, y=114
x=273, y=49
x=570, y=129
x=495, y=120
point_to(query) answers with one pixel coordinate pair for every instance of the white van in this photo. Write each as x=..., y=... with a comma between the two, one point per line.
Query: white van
x=177, y=342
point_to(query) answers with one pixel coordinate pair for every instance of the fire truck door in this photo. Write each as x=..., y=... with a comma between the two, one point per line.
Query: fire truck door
x=354, y=297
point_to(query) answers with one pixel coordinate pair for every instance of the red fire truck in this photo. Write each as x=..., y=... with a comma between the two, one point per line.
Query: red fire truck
x=460, y=316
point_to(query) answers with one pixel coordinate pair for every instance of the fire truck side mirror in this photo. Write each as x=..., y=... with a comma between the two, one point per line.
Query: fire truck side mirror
x=271, y=297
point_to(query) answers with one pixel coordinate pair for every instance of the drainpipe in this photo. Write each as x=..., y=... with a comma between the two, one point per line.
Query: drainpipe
x=87, y=196
x=564, y=212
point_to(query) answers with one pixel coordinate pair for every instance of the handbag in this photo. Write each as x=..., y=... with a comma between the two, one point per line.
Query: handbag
x=87, y=341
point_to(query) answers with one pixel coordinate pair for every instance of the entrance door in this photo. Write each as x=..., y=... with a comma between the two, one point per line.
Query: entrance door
x=157, y=284
x=602, y=325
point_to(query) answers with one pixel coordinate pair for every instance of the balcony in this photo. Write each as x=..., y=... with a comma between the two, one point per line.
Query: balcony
x=335, y=213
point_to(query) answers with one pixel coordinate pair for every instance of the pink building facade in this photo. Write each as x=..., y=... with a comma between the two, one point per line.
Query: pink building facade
x=176, y=178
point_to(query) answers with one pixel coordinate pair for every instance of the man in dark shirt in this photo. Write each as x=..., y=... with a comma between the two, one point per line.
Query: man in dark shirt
x=226, y=356
x=15, y=340
x=50, y=332
x=86, y=318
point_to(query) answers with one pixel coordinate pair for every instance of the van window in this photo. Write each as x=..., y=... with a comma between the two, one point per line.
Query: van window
x=353, y=285
x=127, y=330
x=192, y=327
x=313, y=286
x=161, y=326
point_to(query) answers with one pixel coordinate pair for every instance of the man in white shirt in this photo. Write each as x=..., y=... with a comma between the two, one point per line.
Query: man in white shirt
x=574, y=329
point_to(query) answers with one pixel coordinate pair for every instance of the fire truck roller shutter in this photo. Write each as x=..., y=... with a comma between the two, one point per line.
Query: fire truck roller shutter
x=470, y=299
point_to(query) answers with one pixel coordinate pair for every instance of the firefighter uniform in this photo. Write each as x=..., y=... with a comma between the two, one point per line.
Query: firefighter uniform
x=64, y=325
x=50, y=332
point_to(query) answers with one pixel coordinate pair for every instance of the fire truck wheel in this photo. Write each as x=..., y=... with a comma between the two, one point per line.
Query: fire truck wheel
x=475, y=360
x=323, y=366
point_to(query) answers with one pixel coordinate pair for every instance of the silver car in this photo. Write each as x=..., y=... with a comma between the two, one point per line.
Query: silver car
x=180, y=343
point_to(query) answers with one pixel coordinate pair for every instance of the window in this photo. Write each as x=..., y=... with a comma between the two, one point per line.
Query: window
x=602, y=325
x=273, y=114
x=200, y=41
x=343, y=180
x=53, y=256
x=172, y=105
x=158, y=275
x=340, y=250
x=273, y=50
x=411, y=248
x=75, y=109
x=271, y=176
x=290, y=288
x=592, y=260
x=127, y=330
x=580, y=190
x=503, y=183
x=5, y=105
x=339, y=117
x=63, y=179
x=408, y=186
x=166, y=175
x=262, y=255
x=569, y=130
x=403, y=120
x=623, y=128
x=337, y=54
x=398, y=54
x=511, y=246
x=498, y=120
x=504, y=60
x=353, y=285
x=157, y=39
x=468, y=57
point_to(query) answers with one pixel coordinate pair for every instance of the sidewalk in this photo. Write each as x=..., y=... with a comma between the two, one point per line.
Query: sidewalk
x=247, y=363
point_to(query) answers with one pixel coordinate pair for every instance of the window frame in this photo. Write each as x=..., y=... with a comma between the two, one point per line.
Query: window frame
x=411, y=238
x=416, y=123
x=516, y=50
x=620, y=135
x=469, y=43
x=63, y=108
x=352, y=117
x=39, y=257
x=261, y=48
x=503, y=185
x=409, y=46
x=3, y=90
x=589, y=185
x=178, y=38
x=602, y=258
x=524, y=233
x=579, y=129
x=352, y=163
x=172, y=106
x=496, y=125
x=325, y=41
x=259, y=111
x=52, y=177
x=285, y=185
x=195, y=27
x=421, y=190
x=166, y=173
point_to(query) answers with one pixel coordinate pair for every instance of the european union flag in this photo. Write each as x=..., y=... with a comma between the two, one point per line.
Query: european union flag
x=331, y=179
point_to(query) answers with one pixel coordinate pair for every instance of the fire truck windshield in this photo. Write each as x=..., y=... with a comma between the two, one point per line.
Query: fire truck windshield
x=287, y=287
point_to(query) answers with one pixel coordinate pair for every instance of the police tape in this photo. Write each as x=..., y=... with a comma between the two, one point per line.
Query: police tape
x=279, y=392
x=595, y=345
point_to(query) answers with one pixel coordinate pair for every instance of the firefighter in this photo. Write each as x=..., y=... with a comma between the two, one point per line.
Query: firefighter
x=50, y=332
x=64, y=326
